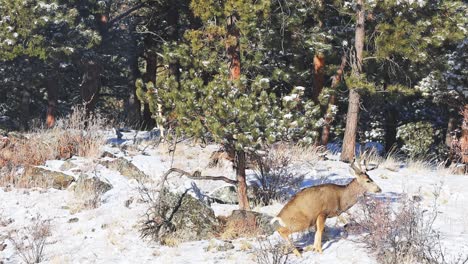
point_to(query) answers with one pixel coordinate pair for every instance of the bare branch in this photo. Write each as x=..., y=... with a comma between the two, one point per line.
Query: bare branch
x=125, y=14
x=197, y=176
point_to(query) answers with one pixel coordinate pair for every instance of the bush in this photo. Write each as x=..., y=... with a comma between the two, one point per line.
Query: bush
x=403, y=233
x=157, y=224
x=417, y=138
x=269, y=253
x=274, y=176
x=30, y=241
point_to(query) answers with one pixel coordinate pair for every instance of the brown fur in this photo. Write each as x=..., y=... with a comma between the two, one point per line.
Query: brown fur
x=312, y=206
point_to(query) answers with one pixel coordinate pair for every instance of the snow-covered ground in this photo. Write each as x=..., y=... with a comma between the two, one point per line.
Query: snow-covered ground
x=109, y=233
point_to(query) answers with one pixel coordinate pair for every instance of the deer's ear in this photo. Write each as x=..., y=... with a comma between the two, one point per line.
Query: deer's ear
x=352, y=172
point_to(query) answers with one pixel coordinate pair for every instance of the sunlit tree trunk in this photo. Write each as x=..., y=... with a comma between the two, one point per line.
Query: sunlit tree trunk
x=464, y=136
x=51, y=86
x=352, y=118
x=233, y=53
x=240, y=176
x=233, y=48
x=319, y=76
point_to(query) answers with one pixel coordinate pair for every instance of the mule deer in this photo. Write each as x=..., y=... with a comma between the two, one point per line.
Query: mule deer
x=312, y=206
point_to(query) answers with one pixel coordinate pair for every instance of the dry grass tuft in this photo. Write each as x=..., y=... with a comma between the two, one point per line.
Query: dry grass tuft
x=77, y=134
x=236, y=228
x=299, y=154
x=171, y=240
x=420, y=165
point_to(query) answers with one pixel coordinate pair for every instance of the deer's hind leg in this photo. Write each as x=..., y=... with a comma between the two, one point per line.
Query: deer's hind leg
x=284, y=233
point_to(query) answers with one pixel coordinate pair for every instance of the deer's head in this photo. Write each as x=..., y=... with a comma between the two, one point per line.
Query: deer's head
x=363, y=178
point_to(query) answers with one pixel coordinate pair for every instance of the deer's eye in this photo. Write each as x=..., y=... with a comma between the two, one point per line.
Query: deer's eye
x=368, y=181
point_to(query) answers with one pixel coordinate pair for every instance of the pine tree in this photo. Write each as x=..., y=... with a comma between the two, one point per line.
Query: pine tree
x=220, y=93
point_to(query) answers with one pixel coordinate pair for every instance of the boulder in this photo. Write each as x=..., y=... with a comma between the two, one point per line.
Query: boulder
x=187, y=219
x=243, y=223
x=125, y=167
x=68, y=165
x=194, y=220
x=228, y=195
x=225, y=195
x=99, y=186
x=56, y=179
x=7, y=124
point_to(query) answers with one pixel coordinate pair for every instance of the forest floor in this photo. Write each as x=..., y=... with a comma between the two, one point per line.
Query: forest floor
x=110, y=232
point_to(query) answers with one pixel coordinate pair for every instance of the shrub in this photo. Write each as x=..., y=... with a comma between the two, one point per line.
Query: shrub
x=157, y=224
x=30, y=241
x=274, y=176
x=402, y=233
x=417, y=138
x=269, y=253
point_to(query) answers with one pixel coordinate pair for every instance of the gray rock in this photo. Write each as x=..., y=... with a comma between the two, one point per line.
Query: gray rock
x=95, y=183
x=225, y=195
x=67, y=165
x=125, y=167
x=73, y=220
x=56, y=179
x=262, y=221
x=192, y=220
x=7, y=124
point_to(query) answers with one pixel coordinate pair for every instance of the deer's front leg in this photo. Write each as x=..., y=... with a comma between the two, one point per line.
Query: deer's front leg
x=320, y=226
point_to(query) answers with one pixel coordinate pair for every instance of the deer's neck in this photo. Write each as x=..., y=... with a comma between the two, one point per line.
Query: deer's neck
x=351, y=194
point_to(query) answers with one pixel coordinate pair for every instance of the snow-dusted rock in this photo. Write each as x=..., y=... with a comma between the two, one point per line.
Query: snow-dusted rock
x=59, y=180
x=125, y=167
x=225, y=195
x=194, y=220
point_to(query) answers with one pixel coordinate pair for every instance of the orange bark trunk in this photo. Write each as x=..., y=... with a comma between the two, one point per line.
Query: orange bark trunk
x=464, y=136
x=319, y=68
x=233, y=49
x=51, y=102
x=241, y=182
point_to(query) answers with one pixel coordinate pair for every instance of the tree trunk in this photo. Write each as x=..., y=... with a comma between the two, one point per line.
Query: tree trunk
x=349, y=142
x=359, y=36
x=352, y=118
x=452, y=124
x=132, y=104
x=149, y=76
x=173, y=32
x=91, y=84
x=391, y=124
x=464, y=136
x=51, y=86
x=25, y=110
x=319, y=72
x=331, y=102
x=233, y=48
x=241, y=185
